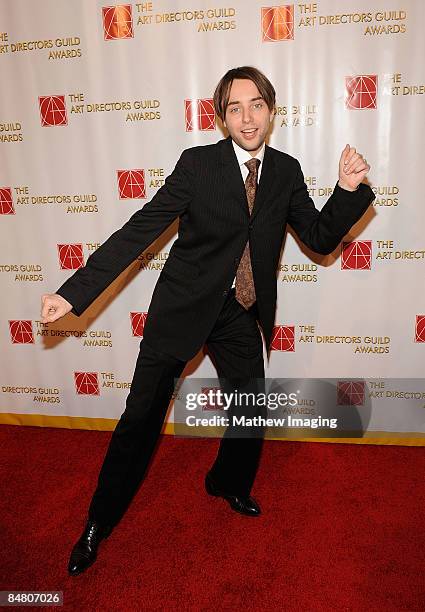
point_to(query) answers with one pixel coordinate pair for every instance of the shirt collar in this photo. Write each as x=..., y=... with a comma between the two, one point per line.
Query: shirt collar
x=244, y=156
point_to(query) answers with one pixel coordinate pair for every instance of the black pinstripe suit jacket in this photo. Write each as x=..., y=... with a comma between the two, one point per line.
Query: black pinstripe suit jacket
x=207, y=193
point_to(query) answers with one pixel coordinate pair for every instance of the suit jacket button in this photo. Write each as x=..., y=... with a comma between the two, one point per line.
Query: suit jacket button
x=225, y=292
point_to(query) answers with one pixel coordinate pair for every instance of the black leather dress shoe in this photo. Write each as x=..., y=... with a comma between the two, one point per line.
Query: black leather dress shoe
x=243, y=505
x=84, y=552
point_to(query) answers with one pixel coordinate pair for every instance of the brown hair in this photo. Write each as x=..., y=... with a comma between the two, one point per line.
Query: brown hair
x=222, y=91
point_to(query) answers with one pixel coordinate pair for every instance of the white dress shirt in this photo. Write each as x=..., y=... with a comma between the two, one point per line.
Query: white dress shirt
x=242, y=157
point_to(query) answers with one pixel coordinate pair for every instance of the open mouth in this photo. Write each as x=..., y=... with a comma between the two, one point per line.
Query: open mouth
x=249, y=133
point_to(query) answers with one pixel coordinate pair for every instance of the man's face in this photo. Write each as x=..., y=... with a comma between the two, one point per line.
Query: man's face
x=247, y=116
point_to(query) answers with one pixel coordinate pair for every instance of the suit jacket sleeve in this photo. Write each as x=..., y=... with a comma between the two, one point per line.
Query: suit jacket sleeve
x=124, y=245
x=323, y=231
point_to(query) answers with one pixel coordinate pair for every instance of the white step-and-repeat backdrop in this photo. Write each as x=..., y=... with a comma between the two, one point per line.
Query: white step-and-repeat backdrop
x=97, y=102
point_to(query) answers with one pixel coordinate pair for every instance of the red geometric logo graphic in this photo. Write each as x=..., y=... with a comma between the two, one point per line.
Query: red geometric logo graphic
x=283, y=338
x=212, y=403
x=71, y=256
x=138, y=320
x=21, y=332
x=199, y=115
x=6, y=202
x=52, y=110
x=360, y=91
x=277, y=23
x=356, y=255
x=350, y=393
x=420, y=328
x=131, y=184
x=117, y=22
x=86, y=383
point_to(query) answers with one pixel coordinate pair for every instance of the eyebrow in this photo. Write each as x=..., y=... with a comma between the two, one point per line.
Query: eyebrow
x=252, y=100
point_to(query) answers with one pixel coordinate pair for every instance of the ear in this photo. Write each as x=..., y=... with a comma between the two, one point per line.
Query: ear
x=224, y=123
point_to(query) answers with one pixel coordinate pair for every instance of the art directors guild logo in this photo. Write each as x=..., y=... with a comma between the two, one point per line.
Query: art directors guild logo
x=420, y=328
x=71, y=256
x=283, y=339
x=361, y=91
x=6, y=202
x=52, y=110
x=22, y=332
x=199, y=115
x=138, y=320
x=75, y=202
x=278, y=23
x=211, y=19
x=89, y=383
x=86, y=383
x=117, y=22
x=131, y=184
x=350, y=393
x=356, y=255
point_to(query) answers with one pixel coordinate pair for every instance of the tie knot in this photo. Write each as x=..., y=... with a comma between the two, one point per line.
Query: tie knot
x=253, y=165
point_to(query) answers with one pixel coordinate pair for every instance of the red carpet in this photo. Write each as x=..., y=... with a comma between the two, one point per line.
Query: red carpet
x=342, y=528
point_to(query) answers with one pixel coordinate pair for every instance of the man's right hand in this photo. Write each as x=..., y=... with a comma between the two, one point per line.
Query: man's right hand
x=53, y=307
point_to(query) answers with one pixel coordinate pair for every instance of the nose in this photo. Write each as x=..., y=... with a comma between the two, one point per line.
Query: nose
x=246, y=115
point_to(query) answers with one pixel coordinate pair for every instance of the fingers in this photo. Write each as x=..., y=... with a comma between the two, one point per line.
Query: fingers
x=358, y=166
x=52, y=316
x=344, y=154
x=361, y=167
x=353, y=168
x=44, y=307
x=354, y=162
x=49, y=313
x=350, y=157
x=51, y=309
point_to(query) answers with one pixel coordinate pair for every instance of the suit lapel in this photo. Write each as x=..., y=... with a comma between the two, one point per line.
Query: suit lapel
x=232, y=174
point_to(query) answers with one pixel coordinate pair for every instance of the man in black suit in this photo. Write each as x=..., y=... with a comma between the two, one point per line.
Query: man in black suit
x=217, y=287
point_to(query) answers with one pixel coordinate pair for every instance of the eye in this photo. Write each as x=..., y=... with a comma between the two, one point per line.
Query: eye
x=234, y=109
x=258, y=105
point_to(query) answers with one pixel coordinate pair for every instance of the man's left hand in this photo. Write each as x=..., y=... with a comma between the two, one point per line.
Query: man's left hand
x=352, y=168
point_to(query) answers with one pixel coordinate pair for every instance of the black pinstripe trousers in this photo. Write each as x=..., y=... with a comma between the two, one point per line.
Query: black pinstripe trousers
x=235, y=347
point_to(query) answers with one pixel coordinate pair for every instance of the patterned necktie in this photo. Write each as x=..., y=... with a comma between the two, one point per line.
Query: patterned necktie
x=245, y=290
